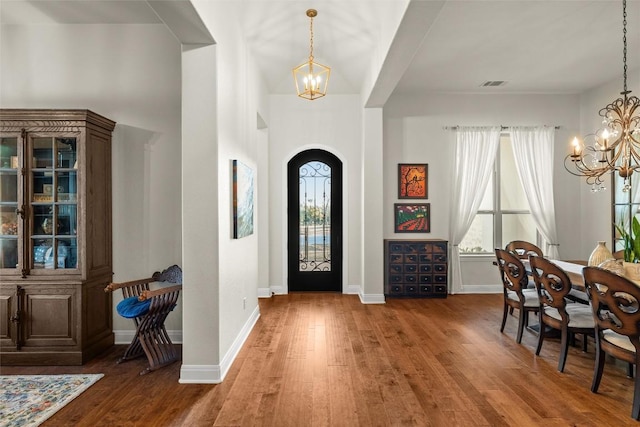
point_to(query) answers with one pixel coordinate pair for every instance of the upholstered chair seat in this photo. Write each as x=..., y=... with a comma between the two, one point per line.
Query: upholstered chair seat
x=530, y=297
x=580, y=315
x=618, y=340
x=553, y=286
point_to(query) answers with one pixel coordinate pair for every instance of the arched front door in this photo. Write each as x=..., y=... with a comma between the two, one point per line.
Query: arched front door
x=314, y=222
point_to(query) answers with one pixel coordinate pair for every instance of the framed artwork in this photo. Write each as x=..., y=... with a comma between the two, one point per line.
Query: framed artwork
x=412, y=180
x=242, y=200
x=412, y=218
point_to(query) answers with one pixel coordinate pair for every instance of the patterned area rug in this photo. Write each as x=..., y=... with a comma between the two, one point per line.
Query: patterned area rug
x=28, y=400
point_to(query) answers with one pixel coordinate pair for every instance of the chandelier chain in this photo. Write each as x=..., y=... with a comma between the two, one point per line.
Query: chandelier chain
x=311, y=39
x=624, y=41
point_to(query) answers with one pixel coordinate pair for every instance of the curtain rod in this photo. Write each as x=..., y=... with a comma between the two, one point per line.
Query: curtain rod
x=501, y=127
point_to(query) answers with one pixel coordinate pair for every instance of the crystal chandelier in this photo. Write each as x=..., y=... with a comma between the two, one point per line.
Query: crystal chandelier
x=616, y=146
x=311, y=78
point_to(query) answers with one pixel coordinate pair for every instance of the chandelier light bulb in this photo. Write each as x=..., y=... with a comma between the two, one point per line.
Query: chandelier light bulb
x=576, y=146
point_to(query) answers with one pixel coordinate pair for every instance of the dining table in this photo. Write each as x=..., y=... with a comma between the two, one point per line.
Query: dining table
x=574, y=271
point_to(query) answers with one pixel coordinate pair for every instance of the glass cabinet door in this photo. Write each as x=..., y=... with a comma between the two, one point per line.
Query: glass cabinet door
x=54, y=202
x=9, y=202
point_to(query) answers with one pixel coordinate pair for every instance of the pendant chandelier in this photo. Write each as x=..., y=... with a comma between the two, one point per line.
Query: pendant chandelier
x=616, y=146
x=311, y=78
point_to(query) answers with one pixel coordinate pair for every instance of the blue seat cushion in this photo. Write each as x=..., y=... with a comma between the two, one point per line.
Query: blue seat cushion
x=131, y=307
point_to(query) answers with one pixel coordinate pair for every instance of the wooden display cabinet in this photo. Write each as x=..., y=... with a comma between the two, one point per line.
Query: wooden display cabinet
x=55, y=236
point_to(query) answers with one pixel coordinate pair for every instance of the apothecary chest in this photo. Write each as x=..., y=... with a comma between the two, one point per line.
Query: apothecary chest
x=416, y=268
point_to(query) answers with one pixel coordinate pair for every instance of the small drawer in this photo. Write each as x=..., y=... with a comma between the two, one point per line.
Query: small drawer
x=411, y=258
x=413, y=248
x=424, y=289
x=426, y=279
x=426, y=268
x=396, y=289
x=410, y=268
x=395, y=268
x=411, y=289
x=410, y=278
x=396, y=258
x=440, y=289
x=396, y=247
x=395, y=278
x=440, y=268
x=440, y=247
x=426, y=258
x=439, y=278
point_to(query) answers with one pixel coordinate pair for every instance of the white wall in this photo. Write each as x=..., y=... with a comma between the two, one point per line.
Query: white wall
x=130, y=74
x=240, y=98
x=333, y=123
x=414, y=132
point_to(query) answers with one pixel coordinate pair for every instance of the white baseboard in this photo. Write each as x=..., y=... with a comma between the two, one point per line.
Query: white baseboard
x=371, y=298
x=200, y=374
x=214, y=374
x=278, y=290
x=480, y=289
x=352, y=290
x=264, y=293
x=124, y=336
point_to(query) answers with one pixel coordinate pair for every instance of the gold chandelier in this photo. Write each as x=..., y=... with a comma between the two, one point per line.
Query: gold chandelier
x=311, y=78
x=616, y=146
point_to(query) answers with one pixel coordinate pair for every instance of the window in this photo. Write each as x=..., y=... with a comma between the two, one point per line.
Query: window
x=504, y=213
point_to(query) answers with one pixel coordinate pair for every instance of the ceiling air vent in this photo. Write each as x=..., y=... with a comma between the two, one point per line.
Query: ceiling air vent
x=493, y=83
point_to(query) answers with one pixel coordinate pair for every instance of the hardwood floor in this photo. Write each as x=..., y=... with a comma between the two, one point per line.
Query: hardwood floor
x=328, y=360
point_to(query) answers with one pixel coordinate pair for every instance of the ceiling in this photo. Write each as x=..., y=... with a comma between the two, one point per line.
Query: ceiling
x=537, y=46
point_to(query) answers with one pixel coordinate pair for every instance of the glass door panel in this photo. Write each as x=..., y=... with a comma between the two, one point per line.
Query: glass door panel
x=54, y=203
x=66, y=186
x=315, y=217
x=42, y=153
x=9, y=202
x=66, y=153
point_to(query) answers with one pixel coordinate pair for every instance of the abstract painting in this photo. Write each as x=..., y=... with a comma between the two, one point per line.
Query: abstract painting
x=242, y=200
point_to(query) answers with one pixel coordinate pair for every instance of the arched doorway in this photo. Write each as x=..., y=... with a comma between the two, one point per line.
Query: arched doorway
x=314, y=187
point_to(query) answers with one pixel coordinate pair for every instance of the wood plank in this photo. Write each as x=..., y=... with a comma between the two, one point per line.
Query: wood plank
x=327, y=360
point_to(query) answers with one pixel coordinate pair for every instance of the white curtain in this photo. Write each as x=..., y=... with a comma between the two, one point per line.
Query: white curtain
x=533, y=152
x=475, y=154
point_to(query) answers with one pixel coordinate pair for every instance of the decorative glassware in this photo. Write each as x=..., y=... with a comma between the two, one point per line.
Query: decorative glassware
x=600, y=254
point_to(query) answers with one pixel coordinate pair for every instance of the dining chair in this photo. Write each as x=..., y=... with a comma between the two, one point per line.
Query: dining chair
x=553, y=286
x=615, y=302
x=516, y=294
x=522, y=249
